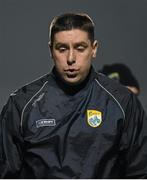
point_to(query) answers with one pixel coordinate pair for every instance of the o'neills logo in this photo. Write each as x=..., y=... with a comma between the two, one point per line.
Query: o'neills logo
x=94, y=118
x=45, y=122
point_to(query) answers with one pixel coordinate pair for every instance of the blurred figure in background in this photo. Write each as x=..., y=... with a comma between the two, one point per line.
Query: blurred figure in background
x=123, y=74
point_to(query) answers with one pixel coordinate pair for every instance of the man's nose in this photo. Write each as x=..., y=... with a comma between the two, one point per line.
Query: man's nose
x=71, y=57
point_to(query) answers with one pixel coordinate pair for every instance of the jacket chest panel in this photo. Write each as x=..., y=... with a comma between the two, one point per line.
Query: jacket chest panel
x=83, y=120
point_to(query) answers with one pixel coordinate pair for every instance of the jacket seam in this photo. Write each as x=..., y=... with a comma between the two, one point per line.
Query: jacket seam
x=21, y=122
x=123, y=112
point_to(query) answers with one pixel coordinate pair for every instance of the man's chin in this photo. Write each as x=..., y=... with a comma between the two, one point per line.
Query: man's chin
x=72, y=81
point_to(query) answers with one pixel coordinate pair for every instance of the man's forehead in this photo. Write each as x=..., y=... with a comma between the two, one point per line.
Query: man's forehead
x=71, y=36
x=76, y=33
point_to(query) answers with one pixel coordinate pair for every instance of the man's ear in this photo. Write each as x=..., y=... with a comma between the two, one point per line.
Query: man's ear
x=95, y=47
x=50, y=49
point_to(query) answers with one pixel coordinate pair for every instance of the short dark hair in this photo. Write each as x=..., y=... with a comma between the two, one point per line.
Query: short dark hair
x=69, y=21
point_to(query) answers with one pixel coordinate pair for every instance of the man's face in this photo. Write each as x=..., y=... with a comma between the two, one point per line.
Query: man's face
x=72, y=52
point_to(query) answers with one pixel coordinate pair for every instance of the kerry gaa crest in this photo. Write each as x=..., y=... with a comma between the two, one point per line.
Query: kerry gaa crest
x=94, y=118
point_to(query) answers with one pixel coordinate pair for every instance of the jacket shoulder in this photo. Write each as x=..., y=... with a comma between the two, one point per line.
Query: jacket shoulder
x=23, y=94
x=113, y=86
x=118, y=92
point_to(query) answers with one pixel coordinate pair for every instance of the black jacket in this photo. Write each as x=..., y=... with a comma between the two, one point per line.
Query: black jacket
x=97, y=129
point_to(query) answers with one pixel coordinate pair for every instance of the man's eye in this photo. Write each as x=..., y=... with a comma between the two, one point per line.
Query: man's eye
x=81, y=48
x=62, y=49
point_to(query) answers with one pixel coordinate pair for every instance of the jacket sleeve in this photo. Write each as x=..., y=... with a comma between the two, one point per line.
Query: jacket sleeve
x=10, y=141
x=135, y=138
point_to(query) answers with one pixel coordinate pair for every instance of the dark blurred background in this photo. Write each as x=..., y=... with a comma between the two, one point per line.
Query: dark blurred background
x=121, y=28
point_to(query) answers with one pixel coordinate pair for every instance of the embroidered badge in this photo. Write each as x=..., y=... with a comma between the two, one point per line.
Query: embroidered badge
x=94, y=118
x=45, y=122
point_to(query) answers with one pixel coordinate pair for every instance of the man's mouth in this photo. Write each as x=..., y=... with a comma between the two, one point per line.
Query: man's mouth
x=71, y=73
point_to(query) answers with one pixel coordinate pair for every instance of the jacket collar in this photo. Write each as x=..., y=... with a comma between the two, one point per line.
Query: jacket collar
x=70, y=89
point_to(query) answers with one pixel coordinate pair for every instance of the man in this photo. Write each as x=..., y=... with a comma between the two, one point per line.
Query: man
x=121, y=73
x=73, y=123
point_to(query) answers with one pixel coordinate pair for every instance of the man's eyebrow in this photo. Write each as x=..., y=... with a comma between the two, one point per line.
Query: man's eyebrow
x=58, y=44
x=82, y=43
